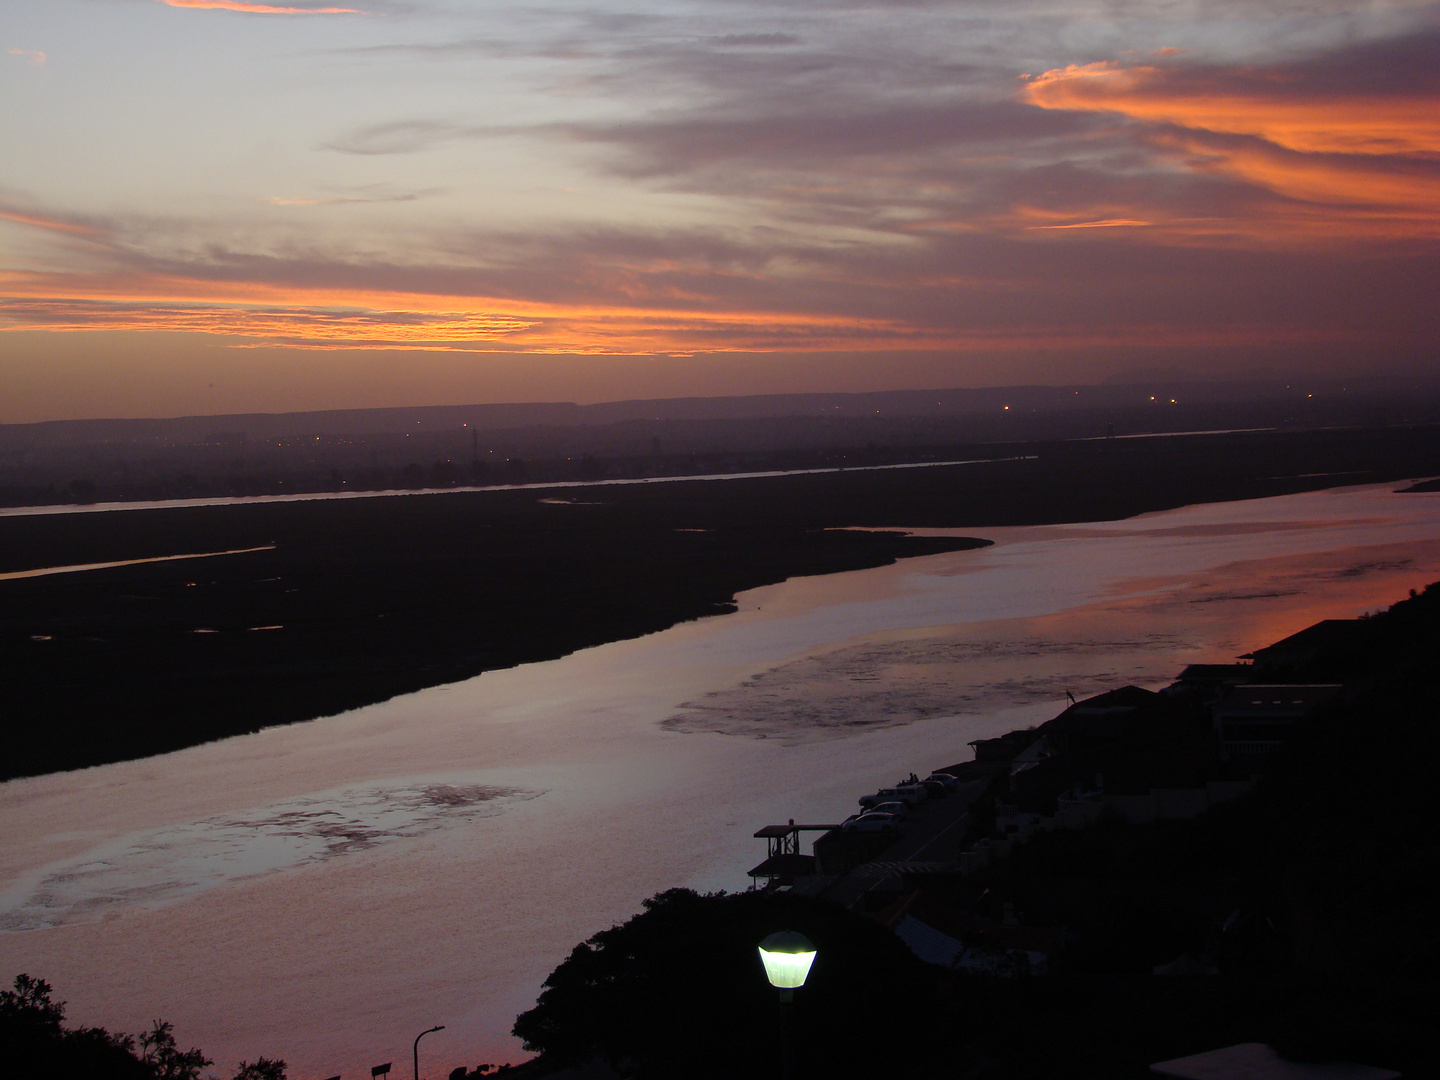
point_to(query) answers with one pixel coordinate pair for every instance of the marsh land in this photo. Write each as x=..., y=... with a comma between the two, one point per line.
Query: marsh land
x=350, y=602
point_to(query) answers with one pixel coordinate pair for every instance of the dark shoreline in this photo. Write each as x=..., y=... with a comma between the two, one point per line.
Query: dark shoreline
x=382, y=596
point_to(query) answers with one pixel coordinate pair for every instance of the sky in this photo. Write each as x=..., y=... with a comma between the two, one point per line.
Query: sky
x=216, y=205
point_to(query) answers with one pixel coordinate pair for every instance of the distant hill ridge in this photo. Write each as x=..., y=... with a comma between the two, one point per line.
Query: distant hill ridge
x=917, y=403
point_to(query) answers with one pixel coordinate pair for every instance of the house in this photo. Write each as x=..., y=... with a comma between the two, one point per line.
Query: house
x=1208, y=682
x=1254, y=719
x=784, y=861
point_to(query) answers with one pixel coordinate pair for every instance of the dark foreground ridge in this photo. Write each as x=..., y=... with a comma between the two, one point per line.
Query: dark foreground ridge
x=1257, y=872
x=353, y=602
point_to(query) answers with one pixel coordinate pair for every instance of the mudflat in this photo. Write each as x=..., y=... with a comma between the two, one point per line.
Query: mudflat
x=350, y=602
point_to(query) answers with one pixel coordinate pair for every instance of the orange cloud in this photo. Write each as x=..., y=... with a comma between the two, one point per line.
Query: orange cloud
x=1343, y=165
x=254, y=315
x=35, y=56
x=319, y=326
x=48, y=223
x=1358, y=185
x=1103, y=223
x=1309, y=122
x=260, y=9
x=259, y=316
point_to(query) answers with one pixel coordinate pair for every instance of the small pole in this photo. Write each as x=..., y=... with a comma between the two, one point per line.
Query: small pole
x=787, y=1052
x=415, y=1049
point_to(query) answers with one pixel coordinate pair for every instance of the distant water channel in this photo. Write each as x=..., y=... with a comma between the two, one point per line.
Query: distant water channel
x=313, y=496
x=76, y=568
x=323, y=892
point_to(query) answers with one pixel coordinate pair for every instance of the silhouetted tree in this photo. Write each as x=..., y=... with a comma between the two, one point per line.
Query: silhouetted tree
x=30, y=1003
x=167, y=1061
x=261, y=1069
x=39, y=1047
x=35, y=1044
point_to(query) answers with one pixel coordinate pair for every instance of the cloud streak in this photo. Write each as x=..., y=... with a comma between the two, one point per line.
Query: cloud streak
x=1347, y=144
x=260, y=9
x=335, y=320
x=612, y=331
x=294, y=325
x=405, y=137
x=1243, y=103
x=1105, y=223
x=370, y=194
x=49, y=224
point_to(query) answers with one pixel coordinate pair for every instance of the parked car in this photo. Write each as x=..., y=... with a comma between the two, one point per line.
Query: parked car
x=912, y=793
x=871, y=823
x=899, y=809
x=906, y=793
x=950, y=783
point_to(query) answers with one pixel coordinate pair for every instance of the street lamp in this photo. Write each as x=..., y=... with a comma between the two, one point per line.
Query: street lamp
x=787, y=957
x=416, y=1048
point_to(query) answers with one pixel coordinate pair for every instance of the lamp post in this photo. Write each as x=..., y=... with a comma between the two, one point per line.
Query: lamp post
x=416, y=1048
x=787, y=957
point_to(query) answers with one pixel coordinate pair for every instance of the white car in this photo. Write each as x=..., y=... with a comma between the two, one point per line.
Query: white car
x=873, y=823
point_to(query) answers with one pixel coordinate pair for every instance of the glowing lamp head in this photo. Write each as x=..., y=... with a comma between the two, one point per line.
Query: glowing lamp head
x=787, y=957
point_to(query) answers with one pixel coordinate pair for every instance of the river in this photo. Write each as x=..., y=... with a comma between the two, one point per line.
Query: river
x=325, y=891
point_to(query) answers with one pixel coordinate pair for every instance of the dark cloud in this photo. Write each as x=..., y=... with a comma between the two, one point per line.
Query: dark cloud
x=403, y=137
x=755, y=41
x=685, y=144
x=467, y=47
x=1402, y=66
x=363, y=194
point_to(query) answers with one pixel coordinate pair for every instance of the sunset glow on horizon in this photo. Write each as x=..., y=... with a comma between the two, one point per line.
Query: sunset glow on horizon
x=964, y=195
